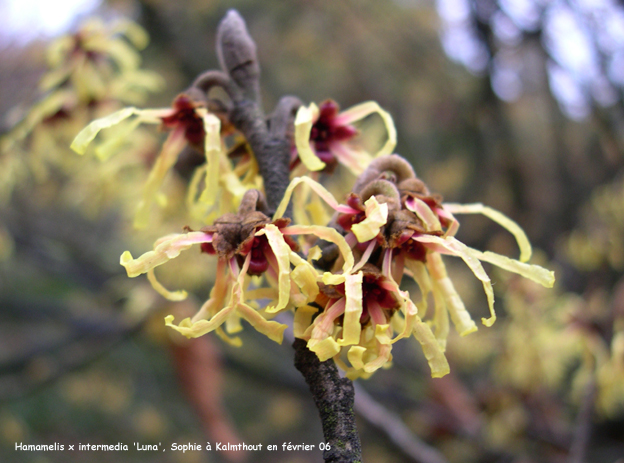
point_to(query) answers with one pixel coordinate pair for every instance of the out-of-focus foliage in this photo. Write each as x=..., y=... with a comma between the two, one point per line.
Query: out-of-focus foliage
x=517, y=389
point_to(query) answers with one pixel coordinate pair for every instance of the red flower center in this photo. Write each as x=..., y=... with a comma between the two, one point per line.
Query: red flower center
x=185, y=116
x=326, y=130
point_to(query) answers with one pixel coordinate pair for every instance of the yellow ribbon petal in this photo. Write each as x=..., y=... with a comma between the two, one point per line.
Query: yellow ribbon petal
x=499, y=218
x=376, y=217
x=303, y=126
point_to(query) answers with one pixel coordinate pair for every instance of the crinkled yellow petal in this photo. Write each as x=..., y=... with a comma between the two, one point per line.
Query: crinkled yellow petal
x=281, y=250
x=383, y=356
x=499, y=218
x=381, y=334
x=440, y=317
x=233, y=184
x=305, y=276
x=355, y=356
x=233, y=323
x=535, y=273
x=317, y=212
x=376, y=217
x=433, y=353
x=303, y=126
x=271, y=329
x=167, y=248
x=318, y=189
x=164, y=292
x=461, y=318
x=167, y=158
x=331, y=235
x=410, y=314
x=351, y=326
x=324, y=349
x=421, y=277
x=362, y=110
x=105, y=150
x=324, y=324
x=235, y=341
x=212, y=147
x=86, y=135
x=200, y=327
x=303, y=319
x=424, y=213
x=454, y=224
x=459, y=249
x=193, y=188
x=314, y=253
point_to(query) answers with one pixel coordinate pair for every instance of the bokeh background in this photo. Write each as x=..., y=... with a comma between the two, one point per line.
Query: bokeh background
x=517, y=104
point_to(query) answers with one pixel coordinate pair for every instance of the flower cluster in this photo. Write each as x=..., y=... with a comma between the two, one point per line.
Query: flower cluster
x=353, y=312
x=90, y=73
x=341, y=277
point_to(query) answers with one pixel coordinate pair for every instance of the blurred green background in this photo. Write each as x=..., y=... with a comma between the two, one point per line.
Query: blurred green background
x=517, y=104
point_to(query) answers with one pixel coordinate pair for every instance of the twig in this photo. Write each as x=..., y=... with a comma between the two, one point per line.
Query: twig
x=395, y=428
x=334, y=399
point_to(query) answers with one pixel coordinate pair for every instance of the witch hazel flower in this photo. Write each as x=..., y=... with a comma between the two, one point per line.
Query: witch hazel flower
x=395, y=226
x=189, y=124
x=362, y=317
x=247, y=244
x=324, y=136
x=424, y=229
x=360, y=310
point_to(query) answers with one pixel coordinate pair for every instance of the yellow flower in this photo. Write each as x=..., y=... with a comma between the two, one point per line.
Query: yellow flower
x=322, y=136
x=189, y=123
x=394, y=226
x=247, y=244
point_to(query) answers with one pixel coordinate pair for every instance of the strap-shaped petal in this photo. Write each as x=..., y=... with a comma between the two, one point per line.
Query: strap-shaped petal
x=212, y=148
x=499, y=218
x=433, y=353
x=351, y=326
x=303, y=319
x=421, y=277
x=281, y=250
x=179, y=295
x=303, y=126
x=331, y=235
x=424, y=213
x=358, y=112
x=535, y=273
x=376, y=217
x=167, y=158
x=318, y=189
x=88, y=134
x=457, y=248
x=165, y=249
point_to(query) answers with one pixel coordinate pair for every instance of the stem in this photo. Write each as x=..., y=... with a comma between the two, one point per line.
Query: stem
x=333, y=395
x=334, y=398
